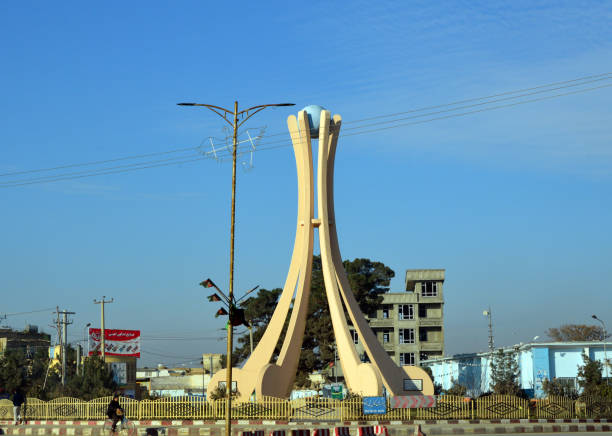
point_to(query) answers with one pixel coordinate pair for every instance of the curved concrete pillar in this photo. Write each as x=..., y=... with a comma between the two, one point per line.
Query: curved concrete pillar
x=259, y=374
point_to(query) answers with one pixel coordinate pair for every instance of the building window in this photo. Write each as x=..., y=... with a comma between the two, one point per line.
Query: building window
x=423, y=356
x=386, y=336
x=355, y=336
x=422, y=311
x=429, y=289
x=405, y=311
x=569, y=382
x=406, y=359
x=406, y=336
x=422, y=335
x=385, y=312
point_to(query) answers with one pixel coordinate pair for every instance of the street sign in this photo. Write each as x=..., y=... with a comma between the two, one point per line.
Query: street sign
x=374, y=405
x=336, y=392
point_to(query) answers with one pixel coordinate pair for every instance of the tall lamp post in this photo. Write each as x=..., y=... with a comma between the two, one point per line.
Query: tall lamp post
x=231, y=117
x=78, y=364
x=605, y=333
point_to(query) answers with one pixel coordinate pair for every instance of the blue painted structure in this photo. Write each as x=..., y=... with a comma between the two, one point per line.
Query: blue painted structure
x=374, y=405
x=537, y=361
x=314, y=118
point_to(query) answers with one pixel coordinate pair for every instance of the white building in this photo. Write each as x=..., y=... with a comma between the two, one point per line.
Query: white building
x=537, y=361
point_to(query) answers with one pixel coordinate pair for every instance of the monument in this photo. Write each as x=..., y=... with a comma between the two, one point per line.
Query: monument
x=260, y=375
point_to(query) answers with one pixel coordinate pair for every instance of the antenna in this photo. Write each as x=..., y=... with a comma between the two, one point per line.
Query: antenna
x=487, y=313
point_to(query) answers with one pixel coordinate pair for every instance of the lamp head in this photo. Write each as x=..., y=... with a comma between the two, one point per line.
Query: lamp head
x=594, y=316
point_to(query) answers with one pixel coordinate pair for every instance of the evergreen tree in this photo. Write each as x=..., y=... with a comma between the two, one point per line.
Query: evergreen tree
x=590, y=379
x=505, y=373
x=368, y=280
x=96, y=380
x=13, y=370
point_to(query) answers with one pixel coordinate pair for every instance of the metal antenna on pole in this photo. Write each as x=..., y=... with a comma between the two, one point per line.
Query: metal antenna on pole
x=102, y=343
x=231, y=117
x=487, y=313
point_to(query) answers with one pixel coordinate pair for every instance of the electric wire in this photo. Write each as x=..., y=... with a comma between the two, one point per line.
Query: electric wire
x=27, y=313
x=286, y=144
x=98, y=162
x=357, y=130
x=603, y=76
x=584, y=79
x=283, y=143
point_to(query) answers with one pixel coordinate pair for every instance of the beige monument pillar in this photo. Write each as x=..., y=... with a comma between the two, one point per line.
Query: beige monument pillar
x=264, y=378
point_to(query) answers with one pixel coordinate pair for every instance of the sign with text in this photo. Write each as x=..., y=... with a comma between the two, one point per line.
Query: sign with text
x=413, y=384
x=116, y=342
x=374, y=405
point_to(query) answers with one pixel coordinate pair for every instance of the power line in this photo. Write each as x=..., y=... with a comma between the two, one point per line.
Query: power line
x=461, y=114
x=284, y=143
x=98, y=162
x=27, y=313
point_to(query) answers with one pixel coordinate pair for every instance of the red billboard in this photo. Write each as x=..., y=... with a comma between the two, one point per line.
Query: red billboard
x=116, y=342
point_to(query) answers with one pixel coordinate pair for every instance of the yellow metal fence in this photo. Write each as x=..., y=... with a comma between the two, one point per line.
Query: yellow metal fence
x=314, y=409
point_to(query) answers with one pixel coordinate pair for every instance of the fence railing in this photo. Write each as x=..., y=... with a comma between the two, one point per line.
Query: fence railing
x=314, y=409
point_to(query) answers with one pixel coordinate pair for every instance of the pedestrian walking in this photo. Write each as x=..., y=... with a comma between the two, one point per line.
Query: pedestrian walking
x=18, y=400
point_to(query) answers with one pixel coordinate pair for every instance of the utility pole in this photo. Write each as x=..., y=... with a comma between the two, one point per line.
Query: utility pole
x=64, y=338
x=102, y=343
x=245, y=115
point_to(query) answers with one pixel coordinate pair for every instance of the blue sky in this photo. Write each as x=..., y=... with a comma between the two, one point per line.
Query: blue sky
x=514, y=203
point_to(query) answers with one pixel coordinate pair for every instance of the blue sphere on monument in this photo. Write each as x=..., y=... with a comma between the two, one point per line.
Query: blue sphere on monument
x=313, y=112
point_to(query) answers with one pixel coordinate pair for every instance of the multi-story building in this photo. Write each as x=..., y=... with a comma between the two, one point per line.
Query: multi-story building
x=410, y=324
x=29, y=339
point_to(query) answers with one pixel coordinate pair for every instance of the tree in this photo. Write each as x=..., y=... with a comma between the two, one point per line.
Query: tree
x=31, y=372
x=456, y=389
x=505, y=373
x=368, y=280
x=437, y=386
x=576, y=332
x=589, y=376
x=13, y=370
x=96, y=380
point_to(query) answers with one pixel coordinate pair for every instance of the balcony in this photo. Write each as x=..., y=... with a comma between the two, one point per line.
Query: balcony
x=431, y=346
x=430, y=322
x=381, y=322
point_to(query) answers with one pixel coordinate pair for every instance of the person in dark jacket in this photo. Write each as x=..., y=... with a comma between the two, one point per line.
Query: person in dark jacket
x=114, y=411
x=18, y=400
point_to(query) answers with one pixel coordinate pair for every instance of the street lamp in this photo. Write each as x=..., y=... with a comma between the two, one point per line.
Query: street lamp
x=604, y=344
x=245, y=114
x=84, y=334
x=78, y=363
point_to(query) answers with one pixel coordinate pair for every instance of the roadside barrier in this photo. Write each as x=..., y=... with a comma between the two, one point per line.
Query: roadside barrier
x=316, y=409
